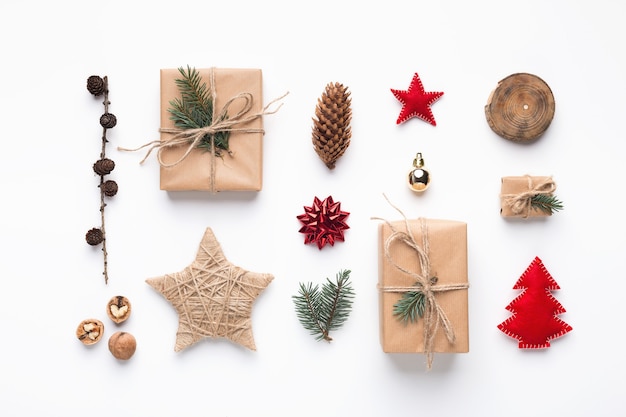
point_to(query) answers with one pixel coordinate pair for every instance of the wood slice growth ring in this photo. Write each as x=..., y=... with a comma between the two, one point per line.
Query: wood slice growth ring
x=520, y=108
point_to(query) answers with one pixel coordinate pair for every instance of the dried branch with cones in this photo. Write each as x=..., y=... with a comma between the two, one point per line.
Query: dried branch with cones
x=331, y=125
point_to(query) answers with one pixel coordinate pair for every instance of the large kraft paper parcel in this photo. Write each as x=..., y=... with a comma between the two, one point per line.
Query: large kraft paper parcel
x=241, y=171
x=448, y=259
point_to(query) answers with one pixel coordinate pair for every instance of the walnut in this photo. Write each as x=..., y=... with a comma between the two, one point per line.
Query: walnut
x=118, y=309
x=122, y=345
x=90, y=331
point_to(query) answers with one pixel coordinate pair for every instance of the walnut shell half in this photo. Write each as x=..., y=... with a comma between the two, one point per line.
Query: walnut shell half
x=118, y=308
x=90, y=331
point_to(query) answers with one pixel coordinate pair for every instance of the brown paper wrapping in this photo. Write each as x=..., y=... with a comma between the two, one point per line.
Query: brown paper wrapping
x=517, y=185
x=243, y=171
x=448, y=259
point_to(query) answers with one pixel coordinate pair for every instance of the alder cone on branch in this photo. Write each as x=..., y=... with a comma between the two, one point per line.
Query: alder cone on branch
x=103, y=166
x=331, y=126
x=94, y=236
x=96, y=85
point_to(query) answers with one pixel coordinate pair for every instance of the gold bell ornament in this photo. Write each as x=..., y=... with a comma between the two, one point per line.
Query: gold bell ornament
x=418, y=177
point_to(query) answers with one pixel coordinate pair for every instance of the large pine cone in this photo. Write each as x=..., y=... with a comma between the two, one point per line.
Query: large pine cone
x=331, y=127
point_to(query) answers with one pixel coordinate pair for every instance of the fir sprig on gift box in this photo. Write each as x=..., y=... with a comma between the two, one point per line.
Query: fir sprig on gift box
x=194, y=109
x=412, y=304
x=546, y=202
x=321, y=311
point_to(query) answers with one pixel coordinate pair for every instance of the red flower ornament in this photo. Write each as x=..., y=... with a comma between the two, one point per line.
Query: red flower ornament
x=416, y=102
x=324, y=222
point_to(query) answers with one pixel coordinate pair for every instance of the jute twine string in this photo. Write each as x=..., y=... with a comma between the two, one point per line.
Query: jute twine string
x=522, y=202
x=434, y=315
x=221, y=122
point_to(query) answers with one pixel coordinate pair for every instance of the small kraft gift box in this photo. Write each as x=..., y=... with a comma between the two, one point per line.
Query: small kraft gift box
x=237, y=99
x=528, y=196
x=423, y=287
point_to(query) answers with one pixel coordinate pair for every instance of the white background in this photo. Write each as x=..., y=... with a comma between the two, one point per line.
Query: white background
x=51, y=279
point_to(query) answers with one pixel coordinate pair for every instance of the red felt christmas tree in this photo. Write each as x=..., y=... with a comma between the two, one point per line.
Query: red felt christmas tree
x=534, y=322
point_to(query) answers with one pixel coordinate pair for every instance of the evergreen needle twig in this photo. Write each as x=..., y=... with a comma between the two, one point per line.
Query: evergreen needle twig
x=546, y=203
x=194, y=109
x=412, y=304
x=321, y=311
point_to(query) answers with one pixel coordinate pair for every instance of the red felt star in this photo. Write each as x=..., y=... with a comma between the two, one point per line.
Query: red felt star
x=324, y=222
x=416, y=102
x=534, y=322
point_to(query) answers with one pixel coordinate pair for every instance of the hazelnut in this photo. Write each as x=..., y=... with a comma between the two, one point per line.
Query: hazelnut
x=90, y=331
x=122, y=345
x=118, y=308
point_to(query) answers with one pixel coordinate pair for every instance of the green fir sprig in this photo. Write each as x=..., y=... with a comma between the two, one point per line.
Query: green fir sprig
x=546, y=203
x=194, y=109
x=321, y=311
x=411, y=306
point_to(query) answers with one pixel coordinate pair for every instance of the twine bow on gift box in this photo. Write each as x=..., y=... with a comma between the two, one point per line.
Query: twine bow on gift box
x=425, y=283
x=523, y=202
x=222, y=121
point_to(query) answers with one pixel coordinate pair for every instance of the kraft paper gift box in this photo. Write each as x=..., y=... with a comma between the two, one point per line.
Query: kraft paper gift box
x=516, y=192
x=447, y=254
x=200, y=171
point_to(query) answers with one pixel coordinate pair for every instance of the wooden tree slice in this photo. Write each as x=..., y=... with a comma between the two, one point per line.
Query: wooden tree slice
x=520, y=108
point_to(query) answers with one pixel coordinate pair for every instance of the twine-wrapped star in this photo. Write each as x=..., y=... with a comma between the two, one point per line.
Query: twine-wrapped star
x=212, y=296
x=416, y=102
